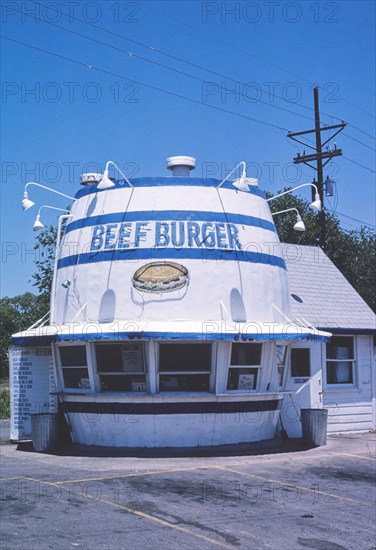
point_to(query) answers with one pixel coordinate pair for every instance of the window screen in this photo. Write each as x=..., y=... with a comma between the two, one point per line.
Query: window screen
x=300, y=362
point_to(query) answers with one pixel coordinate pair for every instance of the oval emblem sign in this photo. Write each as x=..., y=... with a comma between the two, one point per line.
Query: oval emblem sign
x=160, y=277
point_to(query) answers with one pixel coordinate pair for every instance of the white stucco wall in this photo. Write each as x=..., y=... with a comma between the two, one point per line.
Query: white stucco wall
x=230, y=278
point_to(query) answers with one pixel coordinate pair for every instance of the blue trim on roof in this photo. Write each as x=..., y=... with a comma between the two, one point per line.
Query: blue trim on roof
x=169, y=181
x=163, y=336
x=171, y=254
x=171, y=215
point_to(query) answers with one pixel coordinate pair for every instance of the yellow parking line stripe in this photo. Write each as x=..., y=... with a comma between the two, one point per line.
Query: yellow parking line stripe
x=206, y=467
x=159, y=472
x=359, y=456
x=308, y=457
x=192, y=469
x=263, y=458
x=301, y=487
x=144, y=515
x=162, y=522
x=10, y=478
x=154, y=472
x=260, y=459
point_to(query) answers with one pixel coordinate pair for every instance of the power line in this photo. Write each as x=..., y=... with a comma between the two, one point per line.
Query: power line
x=348, y=224
x=356, y=107
x=172, y=69
x=358, y=163
x=66, y=58
x=163, y=90
x=153, y=49
x=362, y=131
x=354, y=219
x=169, y=92
x=169, y=55
x=274, y=65
x=133, y=54
x=250, y=55
x=361, y=142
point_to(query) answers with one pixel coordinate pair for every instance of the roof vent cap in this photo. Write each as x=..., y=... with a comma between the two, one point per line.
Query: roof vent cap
x=181, y=166
x=90, y=178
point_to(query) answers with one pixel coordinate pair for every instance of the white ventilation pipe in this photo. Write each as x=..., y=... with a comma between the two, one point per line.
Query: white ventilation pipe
x=181, y=166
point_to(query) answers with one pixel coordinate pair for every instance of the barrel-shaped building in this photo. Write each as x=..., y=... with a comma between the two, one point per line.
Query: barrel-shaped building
x=170, y=314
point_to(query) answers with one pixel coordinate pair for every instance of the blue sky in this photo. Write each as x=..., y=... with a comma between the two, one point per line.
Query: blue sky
x=60, y=118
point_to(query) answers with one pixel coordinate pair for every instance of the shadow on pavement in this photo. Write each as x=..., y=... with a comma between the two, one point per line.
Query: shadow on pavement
x=272, y=446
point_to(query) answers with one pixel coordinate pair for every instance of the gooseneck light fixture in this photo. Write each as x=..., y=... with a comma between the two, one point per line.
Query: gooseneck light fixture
x=242, y=183
x=38, y=225
x=299, y=225
x=315, y=205
x=105, y=182
x=27, y=203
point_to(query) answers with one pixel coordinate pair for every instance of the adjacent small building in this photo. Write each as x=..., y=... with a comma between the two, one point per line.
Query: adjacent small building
x=340, y=374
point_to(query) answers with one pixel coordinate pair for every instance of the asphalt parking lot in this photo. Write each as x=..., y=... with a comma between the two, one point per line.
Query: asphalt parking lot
x=322, y=498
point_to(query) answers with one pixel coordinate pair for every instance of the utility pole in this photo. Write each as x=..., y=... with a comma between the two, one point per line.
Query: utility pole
x=319, y=167
x=318, y=156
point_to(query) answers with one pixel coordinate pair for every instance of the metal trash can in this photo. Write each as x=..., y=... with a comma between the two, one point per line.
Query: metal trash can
x=45, y=431
x=314, y=426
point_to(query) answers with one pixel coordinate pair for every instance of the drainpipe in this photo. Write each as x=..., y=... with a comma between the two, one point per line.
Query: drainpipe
x=57, y=251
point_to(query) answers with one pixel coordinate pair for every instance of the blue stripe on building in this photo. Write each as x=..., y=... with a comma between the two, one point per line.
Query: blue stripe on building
x=170, y=181
x=171, y=215
x=189, y=407
x=171, y=254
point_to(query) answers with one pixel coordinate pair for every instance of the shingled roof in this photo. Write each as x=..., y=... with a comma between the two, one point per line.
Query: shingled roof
x=321, y=295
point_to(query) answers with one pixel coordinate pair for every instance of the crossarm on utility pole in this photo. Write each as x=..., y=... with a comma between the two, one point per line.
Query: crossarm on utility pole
x=318, y=156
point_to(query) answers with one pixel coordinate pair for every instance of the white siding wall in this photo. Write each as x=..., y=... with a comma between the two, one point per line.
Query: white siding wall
x=351, y=409
x=302, y=395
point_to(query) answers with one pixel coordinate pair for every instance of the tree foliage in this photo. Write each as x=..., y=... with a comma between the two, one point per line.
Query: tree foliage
x=45, y=245
x=352, y=252
x=20, y=312
x=17, y=313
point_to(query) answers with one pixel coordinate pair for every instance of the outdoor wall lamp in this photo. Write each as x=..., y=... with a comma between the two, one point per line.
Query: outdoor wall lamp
x=315, y=205
x=299, y=225
x=38, y=225
x=27, y=203
x=242, y=183
x=106, y=183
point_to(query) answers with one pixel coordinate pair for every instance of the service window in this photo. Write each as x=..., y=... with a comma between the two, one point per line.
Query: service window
x=340, y=360
x=300, y=363
x=244, y=367
x=121, y=367
x=74, y=367
x=184, y=367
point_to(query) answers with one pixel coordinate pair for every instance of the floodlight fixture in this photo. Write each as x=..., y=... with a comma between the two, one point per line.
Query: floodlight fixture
x=106, y=182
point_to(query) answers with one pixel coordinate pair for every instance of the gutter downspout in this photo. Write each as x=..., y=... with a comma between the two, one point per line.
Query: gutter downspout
x=57, y=251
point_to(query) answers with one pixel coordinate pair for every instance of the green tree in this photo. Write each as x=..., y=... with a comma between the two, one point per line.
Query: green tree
x=45, y=245
x=20, y=312
x=352, y=252
x=17, y=313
